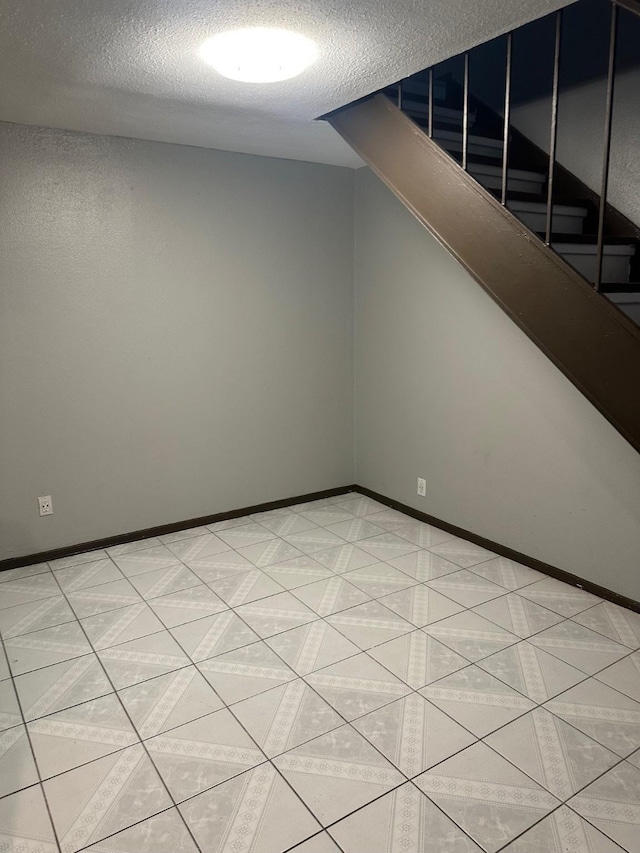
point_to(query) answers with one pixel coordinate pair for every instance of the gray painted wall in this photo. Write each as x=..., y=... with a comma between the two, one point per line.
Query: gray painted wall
x=175, y=333
x=448, y=388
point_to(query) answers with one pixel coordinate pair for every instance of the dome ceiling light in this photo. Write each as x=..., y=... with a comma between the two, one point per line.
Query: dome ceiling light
x=259, y=54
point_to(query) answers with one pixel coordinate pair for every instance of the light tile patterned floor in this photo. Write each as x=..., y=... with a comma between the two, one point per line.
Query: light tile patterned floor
x=329, y=677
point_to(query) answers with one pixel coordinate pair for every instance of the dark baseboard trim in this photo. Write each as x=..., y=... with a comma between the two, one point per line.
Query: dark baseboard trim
x=164, y=529
x=503, y=551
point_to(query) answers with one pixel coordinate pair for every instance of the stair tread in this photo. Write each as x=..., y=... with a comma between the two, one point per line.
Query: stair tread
x=473, y=138
x=528, y=206
x=487, y=169
x=592, y=240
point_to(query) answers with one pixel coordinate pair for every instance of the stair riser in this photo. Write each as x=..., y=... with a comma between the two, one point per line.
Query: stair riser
x=614, y=267
x=472, y=148
x=520, y=185
x=441, y=115
x=561, y=224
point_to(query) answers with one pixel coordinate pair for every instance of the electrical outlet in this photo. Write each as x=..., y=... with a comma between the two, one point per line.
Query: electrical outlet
x=422, y=487
x=45, y=504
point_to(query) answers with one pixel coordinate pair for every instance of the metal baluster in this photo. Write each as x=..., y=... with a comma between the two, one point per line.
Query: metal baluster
x=507, y=119
x=430, y=128
x=613, y=36
x=554, y=126
x=465, y=112
x=400, y=94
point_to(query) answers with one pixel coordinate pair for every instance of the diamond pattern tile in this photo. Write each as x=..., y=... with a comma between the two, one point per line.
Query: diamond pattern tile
x=563, y=831
x=601, y=712
x=200, y=551
x=370, y=624
x=560, y=758
x=624, y=676
x=168, y=701
x=275, y=614
x=25, y=823
x=330, y=595
x=34, y=616
x=61, y=686
x=285, y=717
x=355, y=529
x=87, y=575
x=579, y=646
x=467, y=588
x=560, y=597
x=403, y=819
x=100, y=599
x=413, y=734
x=23, y=572
x=507, y=573
x=356, y=686
x=203, y=753
x=420, y=605
x=386, y=546
x=165, y=831
x=268, y=553
x=343, y=558
x=165, y=581
x=418, y=659
x=477, y=700
x=246, y=671
x=612, y=804
x=462, y=553
x=245, y=587
x=337, y=773
x=486, y=796
x=471, y=635
x=187, y=605
x=298, y=572
x=423, y=535
x=142, y=658
x=314, y=540
x=311, y=647
x=137, y=562
x=17, y=767
x=380, y=579
x=99, y=799
x=245, y=813
x=46, y=647
x=213, y=635
x=25, y=590
x=532, y=671
x=423, y=565
x=80, y=734
x=245, y=534
x=119, y=626
x=518, y=615
x=359, y=505
x=616, y=623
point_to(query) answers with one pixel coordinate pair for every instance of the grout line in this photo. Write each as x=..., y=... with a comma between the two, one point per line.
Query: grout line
x=122, y=705
x=33, y=755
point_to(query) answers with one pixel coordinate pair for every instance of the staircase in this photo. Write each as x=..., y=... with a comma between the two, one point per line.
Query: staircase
x=557, y=257
x=574, y=218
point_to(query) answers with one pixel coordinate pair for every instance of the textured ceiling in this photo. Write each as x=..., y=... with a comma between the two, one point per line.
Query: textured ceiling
x=130, y=67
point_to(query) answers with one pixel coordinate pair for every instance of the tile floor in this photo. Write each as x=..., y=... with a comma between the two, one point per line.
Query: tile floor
x=330, y=677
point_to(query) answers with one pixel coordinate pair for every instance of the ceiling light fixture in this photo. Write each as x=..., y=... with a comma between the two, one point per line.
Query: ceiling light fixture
x=259, y=54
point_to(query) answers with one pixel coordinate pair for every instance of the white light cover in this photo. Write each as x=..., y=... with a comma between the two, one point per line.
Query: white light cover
x=259, y=54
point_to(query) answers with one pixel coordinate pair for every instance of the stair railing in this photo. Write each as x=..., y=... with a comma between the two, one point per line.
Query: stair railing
x=601, y=200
